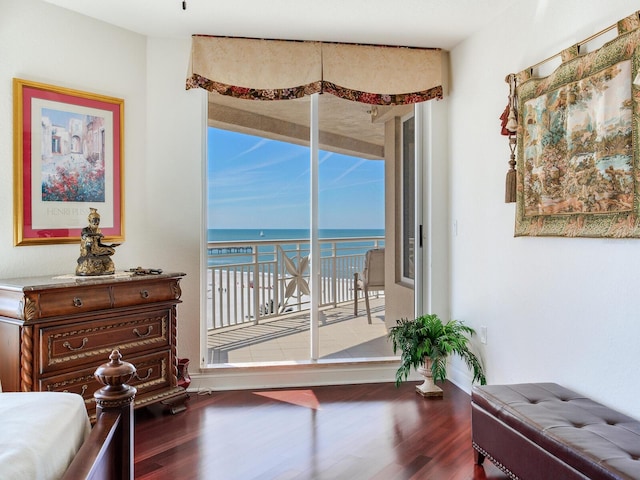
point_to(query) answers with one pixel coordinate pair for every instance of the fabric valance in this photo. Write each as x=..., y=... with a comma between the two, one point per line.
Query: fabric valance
x=280, y=69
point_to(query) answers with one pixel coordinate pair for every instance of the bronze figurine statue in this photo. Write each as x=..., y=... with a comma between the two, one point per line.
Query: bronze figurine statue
x=95, y=256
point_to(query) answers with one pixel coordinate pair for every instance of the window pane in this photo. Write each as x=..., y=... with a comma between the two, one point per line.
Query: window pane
x=408, y=197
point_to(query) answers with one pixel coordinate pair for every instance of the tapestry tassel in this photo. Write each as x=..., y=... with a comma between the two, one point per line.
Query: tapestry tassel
x=510, y=127
x=512, y=122
x=510, y=186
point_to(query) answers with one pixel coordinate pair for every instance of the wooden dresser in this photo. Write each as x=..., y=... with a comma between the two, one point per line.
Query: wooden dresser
x=55, y=331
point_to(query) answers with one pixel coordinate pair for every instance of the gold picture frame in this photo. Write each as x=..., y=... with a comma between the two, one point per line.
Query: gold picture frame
x=68, y=158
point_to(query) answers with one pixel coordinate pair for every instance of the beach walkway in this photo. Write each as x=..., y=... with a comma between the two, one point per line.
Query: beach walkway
x=341, y=336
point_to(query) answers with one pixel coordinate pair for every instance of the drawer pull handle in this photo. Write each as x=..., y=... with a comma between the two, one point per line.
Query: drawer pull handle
x=84, y=343
x=146, y=377
x=142, y=335
x=84, y=389
x=77, y=302
x=144, y=293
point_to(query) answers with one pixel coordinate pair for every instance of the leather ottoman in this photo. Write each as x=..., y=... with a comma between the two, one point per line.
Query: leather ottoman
x=548, y=432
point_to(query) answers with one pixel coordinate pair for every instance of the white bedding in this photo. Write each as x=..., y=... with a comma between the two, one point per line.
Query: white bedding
x=40, y=432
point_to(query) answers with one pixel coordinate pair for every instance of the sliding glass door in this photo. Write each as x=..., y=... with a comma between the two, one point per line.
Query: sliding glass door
x=296, y=200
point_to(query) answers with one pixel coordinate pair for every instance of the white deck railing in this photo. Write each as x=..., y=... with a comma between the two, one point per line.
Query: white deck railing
x=250, y=281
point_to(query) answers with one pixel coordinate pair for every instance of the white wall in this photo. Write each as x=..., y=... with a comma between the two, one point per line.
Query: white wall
x=50, y=45
x=174, y=179
x=162, y=142
x=557, y=309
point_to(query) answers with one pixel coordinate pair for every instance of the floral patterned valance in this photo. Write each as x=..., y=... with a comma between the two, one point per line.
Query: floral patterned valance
x=279, y=69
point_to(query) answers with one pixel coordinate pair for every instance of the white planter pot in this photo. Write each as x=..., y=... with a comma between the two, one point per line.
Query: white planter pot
x=428, y=388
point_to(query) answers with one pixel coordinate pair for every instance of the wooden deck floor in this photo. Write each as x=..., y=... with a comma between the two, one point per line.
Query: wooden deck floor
x=342, y=335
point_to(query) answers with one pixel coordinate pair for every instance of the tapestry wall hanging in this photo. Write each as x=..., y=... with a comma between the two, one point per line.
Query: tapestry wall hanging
x=578, y=162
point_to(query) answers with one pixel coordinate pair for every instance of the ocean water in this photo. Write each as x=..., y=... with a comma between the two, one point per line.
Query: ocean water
x=231, y=235
x=266, y=253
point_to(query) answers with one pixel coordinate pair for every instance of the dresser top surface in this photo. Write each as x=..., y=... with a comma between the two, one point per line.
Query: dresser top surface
x=26, y=284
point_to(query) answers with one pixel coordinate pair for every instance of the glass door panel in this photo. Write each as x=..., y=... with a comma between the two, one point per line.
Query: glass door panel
x=258, y=231
x=351, y=221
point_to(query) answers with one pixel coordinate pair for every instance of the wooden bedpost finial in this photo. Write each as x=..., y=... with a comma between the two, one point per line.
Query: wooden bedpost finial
x=114, y=375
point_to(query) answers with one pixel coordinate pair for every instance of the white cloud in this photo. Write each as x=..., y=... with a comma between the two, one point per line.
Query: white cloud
x=349, y=170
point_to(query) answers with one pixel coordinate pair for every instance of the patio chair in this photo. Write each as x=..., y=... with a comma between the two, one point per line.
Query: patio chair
x=371, y=279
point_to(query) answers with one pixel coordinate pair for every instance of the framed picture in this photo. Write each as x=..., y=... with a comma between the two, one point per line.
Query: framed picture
x=578, y=161
x=68, y=158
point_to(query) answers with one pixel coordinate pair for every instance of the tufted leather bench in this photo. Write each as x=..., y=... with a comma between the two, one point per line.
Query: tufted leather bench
x=545, y=431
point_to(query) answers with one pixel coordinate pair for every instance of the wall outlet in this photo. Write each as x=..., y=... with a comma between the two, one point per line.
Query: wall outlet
x=483, y=334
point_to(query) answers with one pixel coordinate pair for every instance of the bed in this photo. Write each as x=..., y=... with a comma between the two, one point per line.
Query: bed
x=48, y=435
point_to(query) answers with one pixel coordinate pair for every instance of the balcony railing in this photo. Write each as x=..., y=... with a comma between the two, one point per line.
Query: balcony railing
x=251, y=281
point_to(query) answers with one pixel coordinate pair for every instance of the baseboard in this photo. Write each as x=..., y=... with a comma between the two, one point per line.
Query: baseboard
x=293, y=375
x=460, y=378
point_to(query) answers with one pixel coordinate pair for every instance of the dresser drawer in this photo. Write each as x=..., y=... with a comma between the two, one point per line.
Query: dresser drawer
x=64, y=301
x=142, y=292
x=81, y=382
x=89, y=342
x=153, y=372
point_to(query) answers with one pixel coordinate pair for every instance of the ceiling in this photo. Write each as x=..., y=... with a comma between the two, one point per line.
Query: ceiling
x=350, y=128
x=346, y=127
x=420, y=23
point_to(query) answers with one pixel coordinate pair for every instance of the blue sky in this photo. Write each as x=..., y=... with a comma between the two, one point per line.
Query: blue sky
x=261, y=183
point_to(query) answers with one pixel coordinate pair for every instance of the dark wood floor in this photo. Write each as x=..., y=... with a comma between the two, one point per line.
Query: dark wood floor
x=354, y=432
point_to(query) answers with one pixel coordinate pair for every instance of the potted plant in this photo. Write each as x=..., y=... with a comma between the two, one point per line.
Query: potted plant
x=426, y=343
